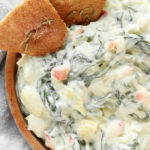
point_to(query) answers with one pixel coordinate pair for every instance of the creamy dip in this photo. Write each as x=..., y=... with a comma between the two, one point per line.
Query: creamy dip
x=93, y=94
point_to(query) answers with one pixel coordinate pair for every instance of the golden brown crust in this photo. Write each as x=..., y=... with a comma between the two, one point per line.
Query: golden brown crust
x=33, y=27
x=78, y=11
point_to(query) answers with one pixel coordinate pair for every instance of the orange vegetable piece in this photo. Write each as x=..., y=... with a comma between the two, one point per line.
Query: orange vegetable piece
x=126, y=71
x=48, y=140
x=77, y=32
x=140, y=96
x=60, y=73
x=69, y=138
x=104, y=13
x=112, y=47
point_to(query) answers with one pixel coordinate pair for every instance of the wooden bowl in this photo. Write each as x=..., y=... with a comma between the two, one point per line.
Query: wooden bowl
x=10, y=84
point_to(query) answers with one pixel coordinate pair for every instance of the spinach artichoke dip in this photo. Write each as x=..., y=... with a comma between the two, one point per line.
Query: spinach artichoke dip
x=93, y=94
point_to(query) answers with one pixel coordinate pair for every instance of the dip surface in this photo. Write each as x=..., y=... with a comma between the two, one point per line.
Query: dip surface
x=94, y=94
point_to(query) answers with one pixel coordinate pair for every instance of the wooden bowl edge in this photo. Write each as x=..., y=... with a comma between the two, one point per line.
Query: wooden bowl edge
x=10, y=78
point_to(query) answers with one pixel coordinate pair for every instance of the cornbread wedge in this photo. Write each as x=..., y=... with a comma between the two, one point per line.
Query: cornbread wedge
x=34, y=28
x=78, y=11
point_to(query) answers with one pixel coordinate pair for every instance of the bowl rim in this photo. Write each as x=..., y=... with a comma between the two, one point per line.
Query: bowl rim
x=10, y=85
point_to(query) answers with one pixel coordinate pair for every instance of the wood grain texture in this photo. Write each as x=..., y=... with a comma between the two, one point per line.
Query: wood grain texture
x=10, y=84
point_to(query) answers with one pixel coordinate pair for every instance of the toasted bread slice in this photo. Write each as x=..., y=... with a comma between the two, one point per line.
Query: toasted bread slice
x=78, y=11
x=34, y=27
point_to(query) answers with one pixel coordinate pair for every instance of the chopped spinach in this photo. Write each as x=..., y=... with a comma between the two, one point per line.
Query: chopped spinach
x=144, y=45
x=143, y=66
x=139, y=42
x=120, y=19
x=139, y=118
x=47, y=92
x=134, y=145
x=79, y=63
x=45, y=87
x=88, y=79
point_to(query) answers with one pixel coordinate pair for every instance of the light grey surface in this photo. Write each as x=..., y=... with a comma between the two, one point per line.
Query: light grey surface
x=10, y=137
x=5, y=6
x=14, y=2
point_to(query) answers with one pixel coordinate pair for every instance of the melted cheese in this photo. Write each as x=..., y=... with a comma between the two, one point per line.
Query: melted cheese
x=95, y=92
